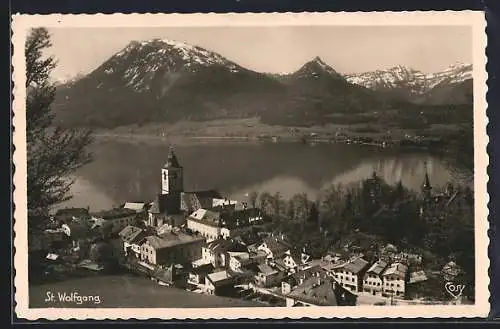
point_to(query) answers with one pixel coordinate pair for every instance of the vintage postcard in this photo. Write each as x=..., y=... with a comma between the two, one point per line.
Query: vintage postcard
x=223, y=166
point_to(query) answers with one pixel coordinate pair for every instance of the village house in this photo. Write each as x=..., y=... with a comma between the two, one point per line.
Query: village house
x=373, y=280
x=138, y=207
x=206, y=223
x=219, y=283
x=119, y=218
x=198, y=274
x=172, y=247
x=295, y=260
x=132, y=237
x=417, y=277
x=164, y=211
x=238, y=260
x=450, y=271
x=237, y=222
x=275, y=247
x=66, y=215
x=222, y=202
x=318, y=291
x=192, y=201
x=215, y=252
x=77, y=230
x=395, y=278
x=293, y=280
x=268, y=276
x=351, y=274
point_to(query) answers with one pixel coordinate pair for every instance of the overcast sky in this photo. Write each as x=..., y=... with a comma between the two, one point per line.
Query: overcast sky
x=279, y=49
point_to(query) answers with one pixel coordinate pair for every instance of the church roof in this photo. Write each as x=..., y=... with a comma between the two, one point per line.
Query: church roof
x=172, y=161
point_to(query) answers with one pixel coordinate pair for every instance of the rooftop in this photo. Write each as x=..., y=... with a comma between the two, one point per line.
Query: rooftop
x=76, y=212
x=114, y=213
x=212, y=194
x=171, y=239
x=316, y=291
x=378, y=267
x=355, y=266
x=172, y=161
x=417, y=276
x=305, y=274
x=219, y=277
x=219, y=245
x=266, y=269
x=136, y=206
x=277, y=245
x=396, y=269
x=206, y=217
x=130, y=233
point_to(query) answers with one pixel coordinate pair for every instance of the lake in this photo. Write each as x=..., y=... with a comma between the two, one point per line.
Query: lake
x=130, y=170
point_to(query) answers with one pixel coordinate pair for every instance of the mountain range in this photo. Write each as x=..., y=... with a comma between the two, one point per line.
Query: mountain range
x=162, y=80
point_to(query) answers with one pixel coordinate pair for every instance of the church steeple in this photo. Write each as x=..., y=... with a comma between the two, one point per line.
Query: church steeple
x=172, y=175
x=426, y=187
x=172, y=161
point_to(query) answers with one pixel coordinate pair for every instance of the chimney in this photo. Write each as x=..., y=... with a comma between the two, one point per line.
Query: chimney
x=301, y=281
x=319, y=281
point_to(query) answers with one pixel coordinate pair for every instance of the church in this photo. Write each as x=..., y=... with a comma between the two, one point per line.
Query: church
x=173, y=204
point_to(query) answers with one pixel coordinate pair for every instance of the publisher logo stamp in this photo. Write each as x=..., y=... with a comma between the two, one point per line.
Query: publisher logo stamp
x=455, y=290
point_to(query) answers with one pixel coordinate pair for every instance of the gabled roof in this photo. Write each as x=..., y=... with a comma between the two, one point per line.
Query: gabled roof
x=305, y=274
x=417, y=276
x=171, y=239
x=172, y=161
x=355, y=266
x=266, y=269
x=73, y=212
x=219, y=245
x=209, y=194
x=114, y=213
x=316, y=291
x=276, y=245
x=205, y=216
x=397, y=269
x=378, y=267
x=219, y=278
x=137, y=206
x=203, y=269
x=155, y=207
x=130, y=233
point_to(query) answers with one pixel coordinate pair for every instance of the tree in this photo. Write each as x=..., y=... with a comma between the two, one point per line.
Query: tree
x=252, y=199
x=54, y=153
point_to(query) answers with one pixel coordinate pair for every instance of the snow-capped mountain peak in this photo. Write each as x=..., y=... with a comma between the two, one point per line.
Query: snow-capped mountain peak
x=415, y=81
x=140, y=61
x=315, y=68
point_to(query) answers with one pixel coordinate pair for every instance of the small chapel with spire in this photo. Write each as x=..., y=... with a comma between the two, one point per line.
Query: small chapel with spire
x=426, y=187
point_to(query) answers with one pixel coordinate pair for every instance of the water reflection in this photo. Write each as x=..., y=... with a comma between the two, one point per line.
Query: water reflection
x=131, y=171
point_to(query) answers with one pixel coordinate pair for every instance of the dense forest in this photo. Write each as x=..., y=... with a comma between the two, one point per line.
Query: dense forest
x=437, y=224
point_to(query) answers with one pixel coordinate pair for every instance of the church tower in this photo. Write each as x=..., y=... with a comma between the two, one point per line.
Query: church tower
x=172, y=180
x=426, y=187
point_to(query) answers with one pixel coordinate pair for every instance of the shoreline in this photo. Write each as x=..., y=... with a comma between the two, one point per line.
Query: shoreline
x=189, y=140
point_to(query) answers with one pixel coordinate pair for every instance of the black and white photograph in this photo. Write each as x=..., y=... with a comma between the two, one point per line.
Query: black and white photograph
x=258, y=165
